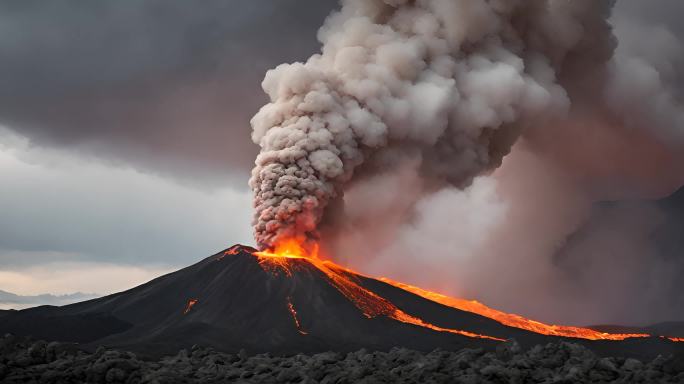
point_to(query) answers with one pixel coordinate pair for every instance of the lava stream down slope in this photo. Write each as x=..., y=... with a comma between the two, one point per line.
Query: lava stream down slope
x=282, y=302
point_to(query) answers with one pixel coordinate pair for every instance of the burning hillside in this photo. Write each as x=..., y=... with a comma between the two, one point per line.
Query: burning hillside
x=513, y=320
x=277, y=261
x=370, y=304
x=290, y=300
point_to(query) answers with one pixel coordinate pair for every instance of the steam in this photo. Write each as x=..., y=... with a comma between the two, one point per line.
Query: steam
x=455, y=81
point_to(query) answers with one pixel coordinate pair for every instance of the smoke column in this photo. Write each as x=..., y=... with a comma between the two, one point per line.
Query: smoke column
x=454, y=82
x=463, y=146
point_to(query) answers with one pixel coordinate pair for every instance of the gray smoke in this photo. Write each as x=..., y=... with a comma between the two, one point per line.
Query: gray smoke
x=532, y=237
x=384, y=146
x=456, y=82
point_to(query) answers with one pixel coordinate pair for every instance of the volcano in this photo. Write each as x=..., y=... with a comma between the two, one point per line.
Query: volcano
x=286, y=304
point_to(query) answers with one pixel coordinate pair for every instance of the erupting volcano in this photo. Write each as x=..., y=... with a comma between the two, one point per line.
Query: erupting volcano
x=290, y=300
x=517, y=152
x=369, y=303
x=278, y=260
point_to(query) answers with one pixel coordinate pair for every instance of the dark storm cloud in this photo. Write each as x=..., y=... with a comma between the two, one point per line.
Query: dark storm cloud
x=169, y=86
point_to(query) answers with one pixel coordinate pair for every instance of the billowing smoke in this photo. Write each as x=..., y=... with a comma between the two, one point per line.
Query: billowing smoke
x=389, y=144
x=451, y=82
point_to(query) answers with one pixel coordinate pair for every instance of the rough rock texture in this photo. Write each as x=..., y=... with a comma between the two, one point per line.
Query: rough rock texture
x=25, y=360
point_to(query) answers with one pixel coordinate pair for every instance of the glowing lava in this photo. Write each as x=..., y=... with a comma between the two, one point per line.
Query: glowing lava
x=231, y=251
x=512, y=320
x=188, y=307
x=674, y=339
x=370, y=304
x=279, y=258
x=293, y=312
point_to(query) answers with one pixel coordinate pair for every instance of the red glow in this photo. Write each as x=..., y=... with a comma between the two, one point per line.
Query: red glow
x=371, y=305
x=512, y=320
x=191, y=303
x=234, y=250
x=293, y=312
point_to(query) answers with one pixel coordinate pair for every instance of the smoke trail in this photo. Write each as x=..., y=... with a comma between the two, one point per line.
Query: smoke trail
x=455, y=81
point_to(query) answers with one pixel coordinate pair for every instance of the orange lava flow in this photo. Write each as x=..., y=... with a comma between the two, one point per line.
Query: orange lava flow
x=674, y=339
x=512, y=320
x=191, y=303
x=279, y=258
x=369, y=303
x=231, y=251
x=293, y=312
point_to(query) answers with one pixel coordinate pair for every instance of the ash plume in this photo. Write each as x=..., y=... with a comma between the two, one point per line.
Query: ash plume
x=533, y=236
x=417, y=104
x=455, y=82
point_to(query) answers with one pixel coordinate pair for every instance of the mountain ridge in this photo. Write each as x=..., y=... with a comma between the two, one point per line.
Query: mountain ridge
x=45, y=298
x=232, y=301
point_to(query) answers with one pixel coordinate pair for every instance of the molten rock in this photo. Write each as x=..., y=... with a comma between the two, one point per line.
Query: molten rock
x=241, y=299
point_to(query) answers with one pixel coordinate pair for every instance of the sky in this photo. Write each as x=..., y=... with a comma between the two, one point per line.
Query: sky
x=124, y=130
x=124, y=133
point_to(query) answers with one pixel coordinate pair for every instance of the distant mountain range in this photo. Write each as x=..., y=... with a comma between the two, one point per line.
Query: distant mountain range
x=10, y=300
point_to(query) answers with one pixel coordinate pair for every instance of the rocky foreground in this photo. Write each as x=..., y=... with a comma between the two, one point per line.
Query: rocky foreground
x=23, y=360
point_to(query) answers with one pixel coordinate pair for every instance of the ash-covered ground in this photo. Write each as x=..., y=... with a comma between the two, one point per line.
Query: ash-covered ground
x=23, y=360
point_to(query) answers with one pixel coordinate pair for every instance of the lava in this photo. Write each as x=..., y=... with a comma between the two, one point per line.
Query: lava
x=512, y=320
x=234, y=250
x=292, y=248
x=674, y=339
x=191, y=303
x=293, y=312
x=369, y=303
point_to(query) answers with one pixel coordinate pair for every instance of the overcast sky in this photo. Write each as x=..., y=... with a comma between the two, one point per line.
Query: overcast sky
x=124, y=130
x=124, y=133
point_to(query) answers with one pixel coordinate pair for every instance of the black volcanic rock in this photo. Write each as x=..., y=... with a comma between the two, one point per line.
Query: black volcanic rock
x=239, y=305
x=24, y=360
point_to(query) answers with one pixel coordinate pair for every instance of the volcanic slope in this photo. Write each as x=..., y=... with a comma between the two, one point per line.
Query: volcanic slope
x=238, y=300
